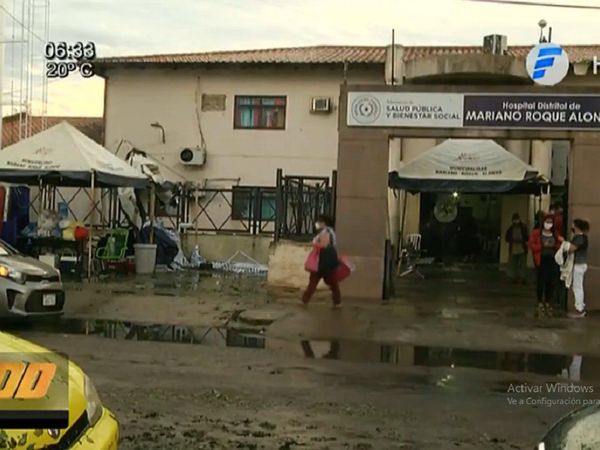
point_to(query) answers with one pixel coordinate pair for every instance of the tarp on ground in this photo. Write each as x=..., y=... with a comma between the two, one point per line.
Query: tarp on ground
x=466, y=165
x=64, y=156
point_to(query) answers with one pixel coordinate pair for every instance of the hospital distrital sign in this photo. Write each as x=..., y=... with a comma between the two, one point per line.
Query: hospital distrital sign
x=473, y=110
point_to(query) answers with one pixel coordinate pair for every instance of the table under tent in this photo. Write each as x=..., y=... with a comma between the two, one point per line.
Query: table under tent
x=445, y=175
x=63, y=157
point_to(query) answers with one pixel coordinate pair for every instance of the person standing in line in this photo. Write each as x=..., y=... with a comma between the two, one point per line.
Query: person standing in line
x=517, y=237
x=325, y=240
x=556, y=211
x=544, y=243
x=540, y=216
x=579, y=246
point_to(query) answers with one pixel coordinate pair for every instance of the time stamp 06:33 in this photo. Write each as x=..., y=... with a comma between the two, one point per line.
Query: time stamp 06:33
x=63, y=58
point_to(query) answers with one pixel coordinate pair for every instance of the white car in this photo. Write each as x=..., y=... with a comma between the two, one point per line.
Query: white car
x=577, y=430
x=28, y=287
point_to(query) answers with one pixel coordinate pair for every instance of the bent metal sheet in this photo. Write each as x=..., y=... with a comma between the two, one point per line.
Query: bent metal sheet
x=473, y=110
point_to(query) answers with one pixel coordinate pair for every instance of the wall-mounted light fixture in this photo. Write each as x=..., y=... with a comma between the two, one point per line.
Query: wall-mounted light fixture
x=162, y=130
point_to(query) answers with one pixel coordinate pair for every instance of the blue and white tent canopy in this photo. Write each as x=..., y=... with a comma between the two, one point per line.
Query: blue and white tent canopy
x=467, y=165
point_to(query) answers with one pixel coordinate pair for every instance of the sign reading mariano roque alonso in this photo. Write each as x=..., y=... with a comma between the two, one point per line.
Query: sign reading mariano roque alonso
x=473, y=110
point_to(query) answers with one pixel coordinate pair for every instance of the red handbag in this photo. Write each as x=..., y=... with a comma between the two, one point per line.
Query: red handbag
x=312, y=261
x=344, y=270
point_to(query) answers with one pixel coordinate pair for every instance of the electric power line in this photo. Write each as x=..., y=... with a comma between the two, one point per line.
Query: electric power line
x=528, y=3
x=22, y=25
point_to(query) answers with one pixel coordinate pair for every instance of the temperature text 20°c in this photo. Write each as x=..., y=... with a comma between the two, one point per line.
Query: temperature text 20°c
x=63, y=69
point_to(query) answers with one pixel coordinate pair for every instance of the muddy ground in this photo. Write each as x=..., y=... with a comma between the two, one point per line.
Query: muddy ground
x=452, y=346
x=177, y=396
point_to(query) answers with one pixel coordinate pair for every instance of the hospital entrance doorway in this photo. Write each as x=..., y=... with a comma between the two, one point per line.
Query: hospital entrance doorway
x=461, y=227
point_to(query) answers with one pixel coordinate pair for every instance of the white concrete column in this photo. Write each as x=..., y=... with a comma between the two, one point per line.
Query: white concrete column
x=394, y=210
x=519, y=148
x=511, y=204
x=541, y=159
x=411, y=149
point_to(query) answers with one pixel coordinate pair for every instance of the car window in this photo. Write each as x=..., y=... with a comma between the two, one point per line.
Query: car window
x=7, y=250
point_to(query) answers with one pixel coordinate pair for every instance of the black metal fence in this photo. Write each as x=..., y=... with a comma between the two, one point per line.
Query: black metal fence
x=300, y=201
x=103, y=211
x=235, y=210
x=287, y=210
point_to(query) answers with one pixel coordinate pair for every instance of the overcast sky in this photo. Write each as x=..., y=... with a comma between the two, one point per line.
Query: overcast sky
x=126, y=27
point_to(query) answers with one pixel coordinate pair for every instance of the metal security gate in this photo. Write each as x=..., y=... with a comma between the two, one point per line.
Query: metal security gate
x=300, y=201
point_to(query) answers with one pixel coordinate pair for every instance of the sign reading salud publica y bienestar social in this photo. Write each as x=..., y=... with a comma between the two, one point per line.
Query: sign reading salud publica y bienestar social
x=473, y=110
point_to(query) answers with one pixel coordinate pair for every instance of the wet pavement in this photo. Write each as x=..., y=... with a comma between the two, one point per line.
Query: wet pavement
x=168, y=396
x=574, y=367
x=220, y=362
x=467, y=307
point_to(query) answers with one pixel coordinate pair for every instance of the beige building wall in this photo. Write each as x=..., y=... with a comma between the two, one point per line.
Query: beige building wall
x=308, y=145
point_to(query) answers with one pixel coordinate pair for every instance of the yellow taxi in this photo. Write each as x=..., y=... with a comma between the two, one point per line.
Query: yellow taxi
x=90, y=425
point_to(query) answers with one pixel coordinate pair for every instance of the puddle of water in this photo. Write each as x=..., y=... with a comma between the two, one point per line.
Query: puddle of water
x=117, y=329
x=571, y=367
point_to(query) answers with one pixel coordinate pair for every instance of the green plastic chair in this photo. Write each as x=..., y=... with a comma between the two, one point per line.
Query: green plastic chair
x=116, y=246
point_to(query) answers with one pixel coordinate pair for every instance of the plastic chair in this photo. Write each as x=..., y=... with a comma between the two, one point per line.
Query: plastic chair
x=412, y=254
x=116, y=246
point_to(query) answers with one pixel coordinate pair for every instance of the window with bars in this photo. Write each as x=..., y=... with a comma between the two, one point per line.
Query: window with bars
x=252, y=203
x=260, y=112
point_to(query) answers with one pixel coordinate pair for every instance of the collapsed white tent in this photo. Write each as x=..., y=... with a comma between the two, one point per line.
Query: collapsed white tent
x=64, y=156
x=466, y=165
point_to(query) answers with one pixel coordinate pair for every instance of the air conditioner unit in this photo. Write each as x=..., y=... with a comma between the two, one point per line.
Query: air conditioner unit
x=320, y=105
x=192, y=156
x=495, y=44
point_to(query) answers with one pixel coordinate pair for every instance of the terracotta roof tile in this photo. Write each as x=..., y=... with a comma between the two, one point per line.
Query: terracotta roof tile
x=92, y=127
x=293, y=55
x=329, y=55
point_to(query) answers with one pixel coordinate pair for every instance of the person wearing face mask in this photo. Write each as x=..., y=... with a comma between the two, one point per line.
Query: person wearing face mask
x=579, y=246
x=325, y=240
x=544, y=243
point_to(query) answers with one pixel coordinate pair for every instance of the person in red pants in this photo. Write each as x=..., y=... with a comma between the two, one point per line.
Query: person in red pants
x=325, y=240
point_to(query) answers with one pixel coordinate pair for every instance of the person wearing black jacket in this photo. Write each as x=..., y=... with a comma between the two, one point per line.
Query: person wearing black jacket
x=517, y=237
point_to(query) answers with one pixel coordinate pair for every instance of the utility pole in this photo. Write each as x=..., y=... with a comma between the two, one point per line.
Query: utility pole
x=2, y=2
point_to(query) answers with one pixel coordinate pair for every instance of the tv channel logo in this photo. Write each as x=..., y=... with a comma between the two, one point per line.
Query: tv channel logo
x=547, y=64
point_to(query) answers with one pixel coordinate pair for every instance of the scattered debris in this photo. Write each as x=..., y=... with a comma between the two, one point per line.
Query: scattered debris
x=249, y=267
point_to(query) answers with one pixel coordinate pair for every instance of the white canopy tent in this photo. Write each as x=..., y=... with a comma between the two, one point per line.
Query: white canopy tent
x=62, y=156
x=467, y=165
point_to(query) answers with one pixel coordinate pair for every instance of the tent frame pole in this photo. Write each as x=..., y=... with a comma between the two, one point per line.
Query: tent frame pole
x=402, y=227
x=91, y=232
x=152, y=212
x=404, y=201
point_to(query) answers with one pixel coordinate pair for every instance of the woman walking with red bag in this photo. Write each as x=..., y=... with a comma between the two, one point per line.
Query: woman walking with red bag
x=324, y=244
